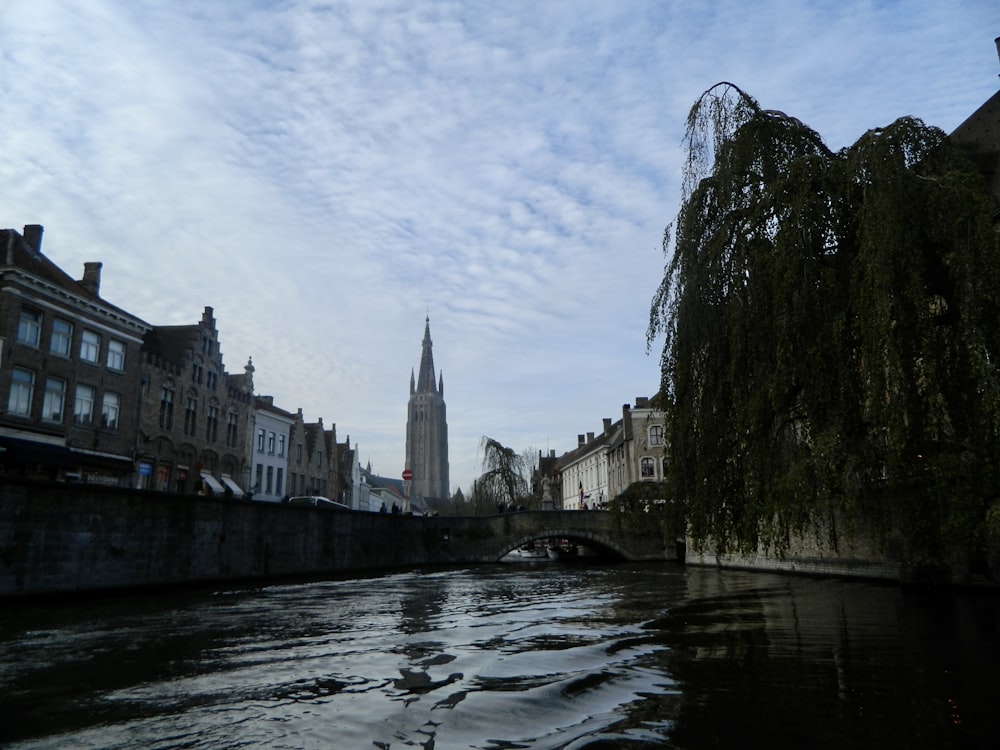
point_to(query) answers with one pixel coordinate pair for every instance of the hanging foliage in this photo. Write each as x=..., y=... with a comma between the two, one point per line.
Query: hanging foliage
x=830, y=323
x=503, y=482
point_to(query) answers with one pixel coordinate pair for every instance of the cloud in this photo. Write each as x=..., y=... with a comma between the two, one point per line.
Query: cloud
x=326, y=174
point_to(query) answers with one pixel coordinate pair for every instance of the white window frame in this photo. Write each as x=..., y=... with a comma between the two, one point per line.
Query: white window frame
x=110, y=410
x=83, y=404
x=116, y=355
x=29, y=328
x=90, y=346
x=54, y=400
x=61, y=342
x=22, y=389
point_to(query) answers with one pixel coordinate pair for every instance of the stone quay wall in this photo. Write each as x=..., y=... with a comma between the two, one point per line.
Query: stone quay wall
x=58, y=537
x=72, y=538
x=857, y=554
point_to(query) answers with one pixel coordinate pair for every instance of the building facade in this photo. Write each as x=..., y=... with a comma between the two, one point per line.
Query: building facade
x=604, y=466
x=427, y=429
x=313, y=466
x=70, y=370
x=269, y=458
x=196, y=418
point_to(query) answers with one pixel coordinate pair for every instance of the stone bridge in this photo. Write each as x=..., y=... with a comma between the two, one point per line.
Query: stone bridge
x=490, y=538
x=57, y=537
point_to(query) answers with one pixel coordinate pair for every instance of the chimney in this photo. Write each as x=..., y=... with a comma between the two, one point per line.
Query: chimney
x=91, y=280
x=607, y=425
x=33, y=236
x=580, y=440
x=641, y=402
x=590, y=437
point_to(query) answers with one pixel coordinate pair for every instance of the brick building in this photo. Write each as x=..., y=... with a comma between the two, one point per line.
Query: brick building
x=196, y=418
x=313, y=465
x=70, y=370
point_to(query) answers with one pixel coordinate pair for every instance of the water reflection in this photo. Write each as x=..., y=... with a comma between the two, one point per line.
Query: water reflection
x=509, y=657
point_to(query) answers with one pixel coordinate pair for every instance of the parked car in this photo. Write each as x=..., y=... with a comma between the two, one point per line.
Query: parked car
x=317, y=501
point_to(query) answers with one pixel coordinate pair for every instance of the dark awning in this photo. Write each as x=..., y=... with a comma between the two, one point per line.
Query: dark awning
x=105, y=461
x=17, y=451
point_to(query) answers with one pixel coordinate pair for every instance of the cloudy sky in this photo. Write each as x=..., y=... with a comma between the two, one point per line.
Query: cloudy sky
x=326, y=173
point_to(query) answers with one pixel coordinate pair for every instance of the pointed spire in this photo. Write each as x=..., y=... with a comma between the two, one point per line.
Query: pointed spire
x=413, y=382
x=425, y=380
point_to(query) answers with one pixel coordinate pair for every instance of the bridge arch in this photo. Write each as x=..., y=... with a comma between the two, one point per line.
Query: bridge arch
x=602, y=547
x=489, y=538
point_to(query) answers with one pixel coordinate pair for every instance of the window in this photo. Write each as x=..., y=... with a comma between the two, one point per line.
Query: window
x=191, y=416
x=83, y=406
x=54, y=400
x=29, y=328
x=647, y=468
x=62, y=337
x=90, y=346
x=260, y=440
x=212, y=424
x=298, y=453
x=270, y=443
x=270, y=480
x=166, y=409
x=109, y=410
x=319, y=458
x=656, y=435
x=279, y=481
x=22, y=385
x=260, y=478
x=210, y=379
x=231, y=430
x=281, y=445
x=116, y=355
x=195, y=373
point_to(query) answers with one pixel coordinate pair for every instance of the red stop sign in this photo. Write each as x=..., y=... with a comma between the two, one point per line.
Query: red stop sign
x=407, y=475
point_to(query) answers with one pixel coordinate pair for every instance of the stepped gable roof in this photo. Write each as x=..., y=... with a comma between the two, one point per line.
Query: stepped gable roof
x=17, y=251
x=316, y=436
x=171, y=343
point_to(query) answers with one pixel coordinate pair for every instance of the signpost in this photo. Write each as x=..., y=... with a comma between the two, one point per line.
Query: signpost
x=407, y=476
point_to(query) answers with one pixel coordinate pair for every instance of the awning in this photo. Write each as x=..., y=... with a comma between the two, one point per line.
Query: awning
x=212, y=482
x=231, y=484
x=93, y=460
x=16, y=451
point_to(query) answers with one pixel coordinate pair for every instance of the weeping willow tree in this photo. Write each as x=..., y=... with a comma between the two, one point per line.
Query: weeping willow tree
x=830, y=325
x=503, y=481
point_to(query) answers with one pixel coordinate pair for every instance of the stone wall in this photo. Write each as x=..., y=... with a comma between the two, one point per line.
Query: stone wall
x=67, y=538
x=58, y=537
x=856, y=554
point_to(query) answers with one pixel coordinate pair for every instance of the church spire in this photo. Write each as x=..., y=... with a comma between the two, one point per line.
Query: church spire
x=425, y=380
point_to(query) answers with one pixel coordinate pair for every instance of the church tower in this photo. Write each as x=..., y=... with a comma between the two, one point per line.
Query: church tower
x=427, y=428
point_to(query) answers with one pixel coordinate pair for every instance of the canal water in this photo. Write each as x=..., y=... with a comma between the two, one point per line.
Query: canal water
x=518, y=655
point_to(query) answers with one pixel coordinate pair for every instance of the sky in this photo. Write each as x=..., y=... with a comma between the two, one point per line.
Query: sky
x=327, y=174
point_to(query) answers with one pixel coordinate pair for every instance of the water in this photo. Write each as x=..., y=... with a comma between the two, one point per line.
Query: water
x=509, y=656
